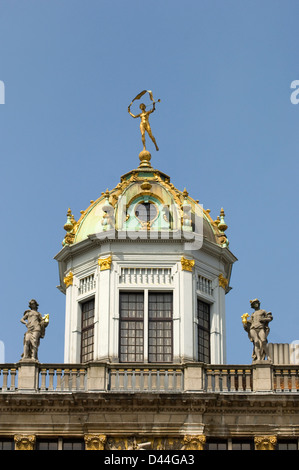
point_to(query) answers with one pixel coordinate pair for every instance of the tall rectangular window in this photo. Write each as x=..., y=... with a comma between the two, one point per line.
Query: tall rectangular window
x=203, y=318
x=131, y=326
x=87, y=330
x=160, y=309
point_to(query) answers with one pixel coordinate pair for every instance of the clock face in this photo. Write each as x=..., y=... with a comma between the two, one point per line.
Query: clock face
x=146, y=211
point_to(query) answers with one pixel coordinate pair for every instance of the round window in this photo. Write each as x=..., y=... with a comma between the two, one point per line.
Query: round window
x=146, y=211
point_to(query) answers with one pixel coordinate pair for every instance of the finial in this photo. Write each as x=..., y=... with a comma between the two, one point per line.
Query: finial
x=185, y=193
x=68, y=225
x=222, y=225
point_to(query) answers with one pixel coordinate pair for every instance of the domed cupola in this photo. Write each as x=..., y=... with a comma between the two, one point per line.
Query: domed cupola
x=145, y=270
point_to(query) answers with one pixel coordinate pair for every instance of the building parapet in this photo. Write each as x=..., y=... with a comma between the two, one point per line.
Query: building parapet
x=261, y=377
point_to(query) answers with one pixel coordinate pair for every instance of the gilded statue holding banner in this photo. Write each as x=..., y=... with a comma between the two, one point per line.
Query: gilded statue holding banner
x=257, y=327
x=144, y=117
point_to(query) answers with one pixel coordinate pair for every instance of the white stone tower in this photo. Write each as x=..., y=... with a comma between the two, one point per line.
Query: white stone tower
x=145, y=271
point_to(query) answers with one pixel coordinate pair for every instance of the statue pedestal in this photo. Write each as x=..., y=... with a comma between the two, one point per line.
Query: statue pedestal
x=145, y=158
x=28, y=375
x=262, y=377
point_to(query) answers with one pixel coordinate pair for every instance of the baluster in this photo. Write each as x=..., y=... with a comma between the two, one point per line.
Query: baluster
x=232, y=380
x=154, y=379
x=113, y=374
x=217, y=381
x=247, y=379
x=73, y=380
x=5, y=376
x=224, y=380
x=240, y=380
x=43, y=374
x=179, y=384
x=51, y=379
x=58, y=376
x=276, y=381
x=209, y=375
x=293, y=381
x=146, y=379
x=162, y=380
x=129, y=379
x=13, y=373
x=285, y=380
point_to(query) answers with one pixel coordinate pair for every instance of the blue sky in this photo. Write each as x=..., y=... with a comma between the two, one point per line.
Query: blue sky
x=226, y=129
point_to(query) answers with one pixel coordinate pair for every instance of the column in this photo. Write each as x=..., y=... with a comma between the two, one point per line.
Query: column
x=218, y=334
x=186, y=309
x=104, y=293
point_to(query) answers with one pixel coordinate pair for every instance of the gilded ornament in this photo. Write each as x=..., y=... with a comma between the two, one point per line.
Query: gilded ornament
x=244, y=318
x=95, y=441
x=187, y=264
x=223, y=282
x=265, y=442
x=222, y=225
x=68, y=280
x=24, y=442
x=194, y=442
x=105, y=263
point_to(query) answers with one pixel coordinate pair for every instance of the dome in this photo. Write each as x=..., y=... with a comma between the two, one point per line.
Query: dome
x=145, y=201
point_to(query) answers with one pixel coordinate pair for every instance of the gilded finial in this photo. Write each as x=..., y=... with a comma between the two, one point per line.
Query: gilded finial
x=222, y=225
x=185, y=193
x=68, y=225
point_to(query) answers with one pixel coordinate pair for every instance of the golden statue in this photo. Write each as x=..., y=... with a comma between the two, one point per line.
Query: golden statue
x=144, y=117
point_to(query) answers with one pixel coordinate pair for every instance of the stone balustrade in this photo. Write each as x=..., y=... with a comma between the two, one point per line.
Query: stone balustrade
x=149, y=378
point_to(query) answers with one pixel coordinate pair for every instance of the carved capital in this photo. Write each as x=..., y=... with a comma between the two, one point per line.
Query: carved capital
x=105, y=263
x=95, y=441
x=223, y=282
x=24, y=442
x=265, y=442
x=187, y=264
x=68, y=280
x=194, y=442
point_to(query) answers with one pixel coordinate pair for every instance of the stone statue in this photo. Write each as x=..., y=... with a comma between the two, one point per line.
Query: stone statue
x=144, y=117
x=36, y=326
x=258, y=330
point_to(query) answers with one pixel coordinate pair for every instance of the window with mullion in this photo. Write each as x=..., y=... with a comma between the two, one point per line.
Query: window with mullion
x=160, y=308
x=87, y=330
x=203, y=318
x=131, y=330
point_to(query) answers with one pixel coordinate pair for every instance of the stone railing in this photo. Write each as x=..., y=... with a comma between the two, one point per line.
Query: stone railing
x=148, y=378
x=145, y=378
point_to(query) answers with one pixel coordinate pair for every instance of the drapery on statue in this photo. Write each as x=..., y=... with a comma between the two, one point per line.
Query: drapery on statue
x=36, y=326
x=258, y=330
x=144, y=117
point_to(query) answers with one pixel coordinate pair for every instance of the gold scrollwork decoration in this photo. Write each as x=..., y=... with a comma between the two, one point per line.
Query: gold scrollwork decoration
x=187, y=264
x=24, y=442
x=223, y=282
x=265, y=442
x=194, y=442
x=105, y=263
x=68, y=280
x=95, y=441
